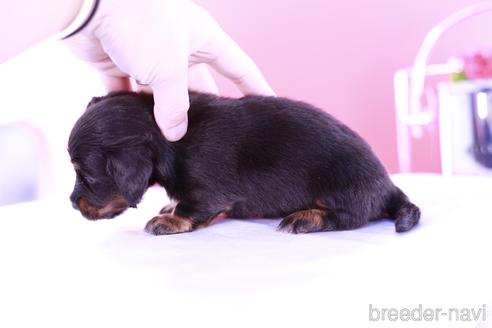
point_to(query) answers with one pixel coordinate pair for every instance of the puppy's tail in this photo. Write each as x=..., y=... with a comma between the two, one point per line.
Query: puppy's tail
x=405, y=213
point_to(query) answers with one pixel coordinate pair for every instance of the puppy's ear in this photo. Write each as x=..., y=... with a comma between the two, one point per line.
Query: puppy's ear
x=131, y=173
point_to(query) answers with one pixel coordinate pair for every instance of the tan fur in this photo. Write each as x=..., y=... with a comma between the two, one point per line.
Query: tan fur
x=117, y=204
x=305, y=221
x=166, y=224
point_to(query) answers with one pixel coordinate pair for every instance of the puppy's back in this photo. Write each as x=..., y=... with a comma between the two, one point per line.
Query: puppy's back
x=270, y=130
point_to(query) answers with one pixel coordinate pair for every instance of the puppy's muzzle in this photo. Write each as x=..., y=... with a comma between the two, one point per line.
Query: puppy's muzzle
x=114, y=207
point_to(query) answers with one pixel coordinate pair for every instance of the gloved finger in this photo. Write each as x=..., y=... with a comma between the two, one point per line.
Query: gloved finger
x=116, y=83
x=213, y=46
x=90, y=50
x=171, y=107
x=200, y=79
x=232, y=62
x=144, y=88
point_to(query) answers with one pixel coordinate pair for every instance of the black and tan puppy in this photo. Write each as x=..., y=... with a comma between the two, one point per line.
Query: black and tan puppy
x=260, y=157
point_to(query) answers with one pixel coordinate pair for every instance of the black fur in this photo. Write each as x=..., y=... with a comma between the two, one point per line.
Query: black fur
x=249, y=157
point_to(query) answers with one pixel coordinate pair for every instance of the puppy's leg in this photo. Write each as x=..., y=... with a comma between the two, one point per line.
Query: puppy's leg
x=321, y=219
x=167, y=224
x=169, y=208
x=182, y=219
x=307, y=221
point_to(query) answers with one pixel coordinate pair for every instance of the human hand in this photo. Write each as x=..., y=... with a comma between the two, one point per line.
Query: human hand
x=162, y=44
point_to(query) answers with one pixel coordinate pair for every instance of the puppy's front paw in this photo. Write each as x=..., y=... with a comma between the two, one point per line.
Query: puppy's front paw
x=167, y=224
x=304, y=222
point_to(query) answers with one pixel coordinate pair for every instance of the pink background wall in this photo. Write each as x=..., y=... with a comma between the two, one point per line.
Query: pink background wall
x=341, y=55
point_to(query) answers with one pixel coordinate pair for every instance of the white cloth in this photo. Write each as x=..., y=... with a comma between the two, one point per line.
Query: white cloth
x=59, y=270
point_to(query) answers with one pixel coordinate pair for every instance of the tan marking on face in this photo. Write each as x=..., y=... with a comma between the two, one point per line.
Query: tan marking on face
x=76, y=166
x=166, y=224
x=116, y=205
x=87, y=209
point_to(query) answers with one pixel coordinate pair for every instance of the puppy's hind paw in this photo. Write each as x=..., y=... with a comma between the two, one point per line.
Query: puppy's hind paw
x=167, y=224
x=304, y=222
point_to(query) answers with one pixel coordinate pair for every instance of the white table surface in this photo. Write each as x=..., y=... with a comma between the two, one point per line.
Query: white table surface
x=60, y=270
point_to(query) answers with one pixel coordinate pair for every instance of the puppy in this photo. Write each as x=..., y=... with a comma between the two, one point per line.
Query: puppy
x=254, y=157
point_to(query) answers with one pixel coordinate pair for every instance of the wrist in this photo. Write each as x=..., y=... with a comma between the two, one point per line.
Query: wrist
x=85, y=11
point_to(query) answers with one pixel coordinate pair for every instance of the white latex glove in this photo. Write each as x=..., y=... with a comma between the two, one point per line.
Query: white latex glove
x=157, y=42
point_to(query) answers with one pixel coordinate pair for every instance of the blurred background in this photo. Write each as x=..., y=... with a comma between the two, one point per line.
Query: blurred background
x=338, y=55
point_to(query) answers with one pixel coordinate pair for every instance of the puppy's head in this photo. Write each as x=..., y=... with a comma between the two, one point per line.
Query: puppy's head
x=111, y=149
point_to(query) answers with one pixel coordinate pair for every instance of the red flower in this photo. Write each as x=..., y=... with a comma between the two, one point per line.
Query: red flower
x=478, y=66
